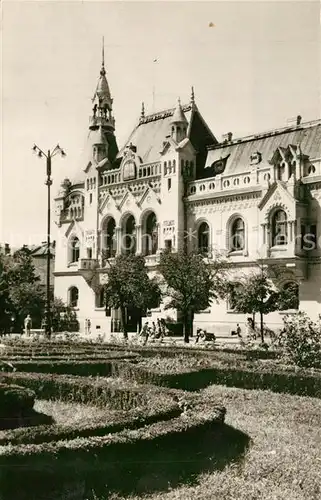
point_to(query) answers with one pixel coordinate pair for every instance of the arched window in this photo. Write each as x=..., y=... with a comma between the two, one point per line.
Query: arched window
x=74, y=249
x=73, y=296
x=150, y=236
x=289, y=296
x=279, y=228
x=100, y=298
x=203, y=237
x=109, y=243
x=235, y=292
x=237, y=236
x=129, y=235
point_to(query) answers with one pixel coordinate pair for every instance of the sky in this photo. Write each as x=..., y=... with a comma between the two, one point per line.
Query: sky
x=253, y=65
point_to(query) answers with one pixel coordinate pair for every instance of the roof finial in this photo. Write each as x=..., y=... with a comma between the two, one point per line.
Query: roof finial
x=179, y=101
x=102, y=71
x=192, y=96
x=142, y=115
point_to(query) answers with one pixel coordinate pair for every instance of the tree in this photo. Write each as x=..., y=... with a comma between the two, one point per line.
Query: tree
x=192, y=283
x=256, y=293
x=63, y=317
x=20, y=291
x=129, y=285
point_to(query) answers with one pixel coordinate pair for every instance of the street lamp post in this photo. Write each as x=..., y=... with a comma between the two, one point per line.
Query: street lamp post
x=48, y=156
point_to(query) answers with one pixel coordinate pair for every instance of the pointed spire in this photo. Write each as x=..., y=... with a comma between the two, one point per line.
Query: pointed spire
x=142, y=114
x=103, y=71
x=179, y=116
x=192, y=96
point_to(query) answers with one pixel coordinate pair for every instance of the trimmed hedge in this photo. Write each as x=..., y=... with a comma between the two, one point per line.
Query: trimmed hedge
x=139, y=406
x=83, y=368
x=107, y=455
x=15, y=399
x=243, y=375
x=111, y=393
x=48, y=454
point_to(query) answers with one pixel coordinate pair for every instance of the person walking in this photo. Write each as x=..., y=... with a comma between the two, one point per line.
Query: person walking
x=145, y=332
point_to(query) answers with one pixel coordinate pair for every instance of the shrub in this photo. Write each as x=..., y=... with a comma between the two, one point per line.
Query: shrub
x=300, y=340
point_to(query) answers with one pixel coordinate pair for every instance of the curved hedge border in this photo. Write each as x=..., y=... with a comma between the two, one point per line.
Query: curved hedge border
x=243, y=375
x=154, y=405
x=148, y=350
x=50, y=455
x=80, y=367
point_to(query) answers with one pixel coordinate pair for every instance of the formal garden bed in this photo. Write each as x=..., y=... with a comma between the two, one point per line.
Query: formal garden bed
x=129, y=421
x=282, y=461
x=193, y=374
x=133, y=424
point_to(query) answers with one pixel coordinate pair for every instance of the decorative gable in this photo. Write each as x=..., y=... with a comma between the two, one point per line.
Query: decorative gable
x=108, y=202
x=168, y=145
x=186, y=146
x=149, y=198
x=128, y=200
x=278, y=196
x=76, y=229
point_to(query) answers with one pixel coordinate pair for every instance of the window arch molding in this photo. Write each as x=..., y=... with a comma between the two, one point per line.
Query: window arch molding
x=278, y=219
x=197, y=228
x=108, y=235
x=238, y=286
x=128, y=235
x=73, y=249
x=149, y=246
x=73, y=296
x=230, y=228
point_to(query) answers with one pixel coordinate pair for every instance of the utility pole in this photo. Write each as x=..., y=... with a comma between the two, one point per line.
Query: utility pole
x=48, y=183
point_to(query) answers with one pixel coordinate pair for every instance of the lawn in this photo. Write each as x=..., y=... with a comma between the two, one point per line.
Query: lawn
x=67, y=414
x=284, y=457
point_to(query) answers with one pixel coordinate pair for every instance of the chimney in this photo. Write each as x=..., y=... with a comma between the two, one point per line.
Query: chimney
x=227, y=137
x=7, y=249
x=291, y=122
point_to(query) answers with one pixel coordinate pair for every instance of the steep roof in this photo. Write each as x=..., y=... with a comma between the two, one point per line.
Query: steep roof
x=238, y=152
x=94, y=137
x=150, y=133
x=178, y=116
x=41, y=251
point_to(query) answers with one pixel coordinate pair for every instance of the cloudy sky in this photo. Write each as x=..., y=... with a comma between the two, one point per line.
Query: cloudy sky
x=253, y=65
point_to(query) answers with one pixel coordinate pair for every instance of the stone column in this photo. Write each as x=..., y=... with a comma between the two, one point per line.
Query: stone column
x=118, y=240
x=264, y=229
x=139, y=248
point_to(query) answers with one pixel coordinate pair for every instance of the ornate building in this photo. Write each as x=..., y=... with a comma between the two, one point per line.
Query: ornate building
x=254, y=197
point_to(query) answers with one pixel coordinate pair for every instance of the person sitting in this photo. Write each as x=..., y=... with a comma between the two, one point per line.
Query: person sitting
x=199, y=334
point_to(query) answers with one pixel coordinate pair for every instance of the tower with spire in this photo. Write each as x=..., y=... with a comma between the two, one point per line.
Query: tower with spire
x=103, y=103
x=102, y=122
